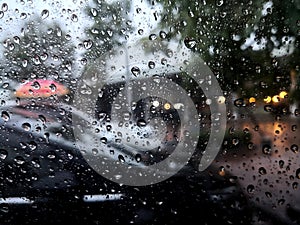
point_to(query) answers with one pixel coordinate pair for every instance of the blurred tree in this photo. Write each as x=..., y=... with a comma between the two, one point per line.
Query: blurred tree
x=40, y=51
x=111, y=26
x=228, y=33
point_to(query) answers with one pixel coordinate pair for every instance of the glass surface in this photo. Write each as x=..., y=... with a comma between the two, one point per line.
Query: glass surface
x=149, y=112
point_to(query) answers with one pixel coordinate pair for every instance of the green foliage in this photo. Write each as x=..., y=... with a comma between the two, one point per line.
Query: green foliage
x=217, y=29
x=110, y=27
x=40, y=51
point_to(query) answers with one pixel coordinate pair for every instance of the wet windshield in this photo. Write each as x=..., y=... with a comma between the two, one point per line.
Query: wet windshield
x=149, y=112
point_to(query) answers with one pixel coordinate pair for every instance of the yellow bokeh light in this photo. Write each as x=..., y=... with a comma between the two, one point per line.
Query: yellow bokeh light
x=252, y=100
x=268, y=99
x=167, y=106
x=275, y=98
x=282, y=94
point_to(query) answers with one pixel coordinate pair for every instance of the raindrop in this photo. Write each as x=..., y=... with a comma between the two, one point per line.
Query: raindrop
x=268, y=194
x=294, y=127
x=219, y=2
x=26, y=126
x=140, y=31
x=266, y=149
x=52, y=87
x=262, y=171
x=222, y=171
x=250, y=145
x=1, y=14
x=162, y=34
x=36, y=85
x=135, y=70
x=23, y=16
x=5, y=116
x=281, y=163
x=163, y=61
x=94, y=12
x=74, y=18
x=170, y=53
x=32, y=145
x=190, y=43
x=87, y=44
x=121, y=158
x=95, y=151
x=4, y=7
x=298, y=173
x=24, y=63
x=294, y=148
x=103, y=140
x=152, y=37
x=3, y=154
x=239, y=102
x=151, y=64
x=295, y=185
x=19, y=160
x=44, y=56
x=138, y=157
x=126, y=116
x=16, y=39
x=141, y=123
x=250, y=188
x=42, y=118
x=44, y=14
x=101, y=116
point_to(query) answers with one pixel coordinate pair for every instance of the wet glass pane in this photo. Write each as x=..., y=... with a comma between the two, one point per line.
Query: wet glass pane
x=149, y=112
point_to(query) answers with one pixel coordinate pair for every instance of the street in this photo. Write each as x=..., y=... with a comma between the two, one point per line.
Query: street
x=268, y=173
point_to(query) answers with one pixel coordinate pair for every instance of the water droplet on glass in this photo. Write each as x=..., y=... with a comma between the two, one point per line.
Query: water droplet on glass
x=141, y=123
x=268, y=194
x=103, y=140
x=295, y=185
x=94, y=12
x=32, y=145
x=42, y=118
x=44, y=14
x=3, y=154
x=74, y=18
x=262, y=171
x=1, y=14
x=140, y=31
x=23, y=16
x=250, y=189
x=190, y=43
x=5, y=116
x=239, y=102
x=266, y=149
x=87, y=44
x=219, y=2
x=95, y=151
x=19, y=160
x=121, y=158
x=294, y=148
x=26, y=126
x=36, y=85
x=138, y=157
x=4, y=7
x=152, y=37
x=298, y=173
x=135, y=70
x=52, y=87
x=151, y=64
x=162, y=34
x=16, y=39
x=222, y=171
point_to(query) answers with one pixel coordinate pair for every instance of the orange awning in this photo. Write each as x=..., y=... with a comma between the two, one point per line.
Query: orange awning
x=41, y=88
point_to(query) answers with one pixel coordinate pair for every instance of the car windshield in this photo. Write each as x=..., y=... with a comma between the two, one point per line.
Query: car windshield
x=149, y=112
